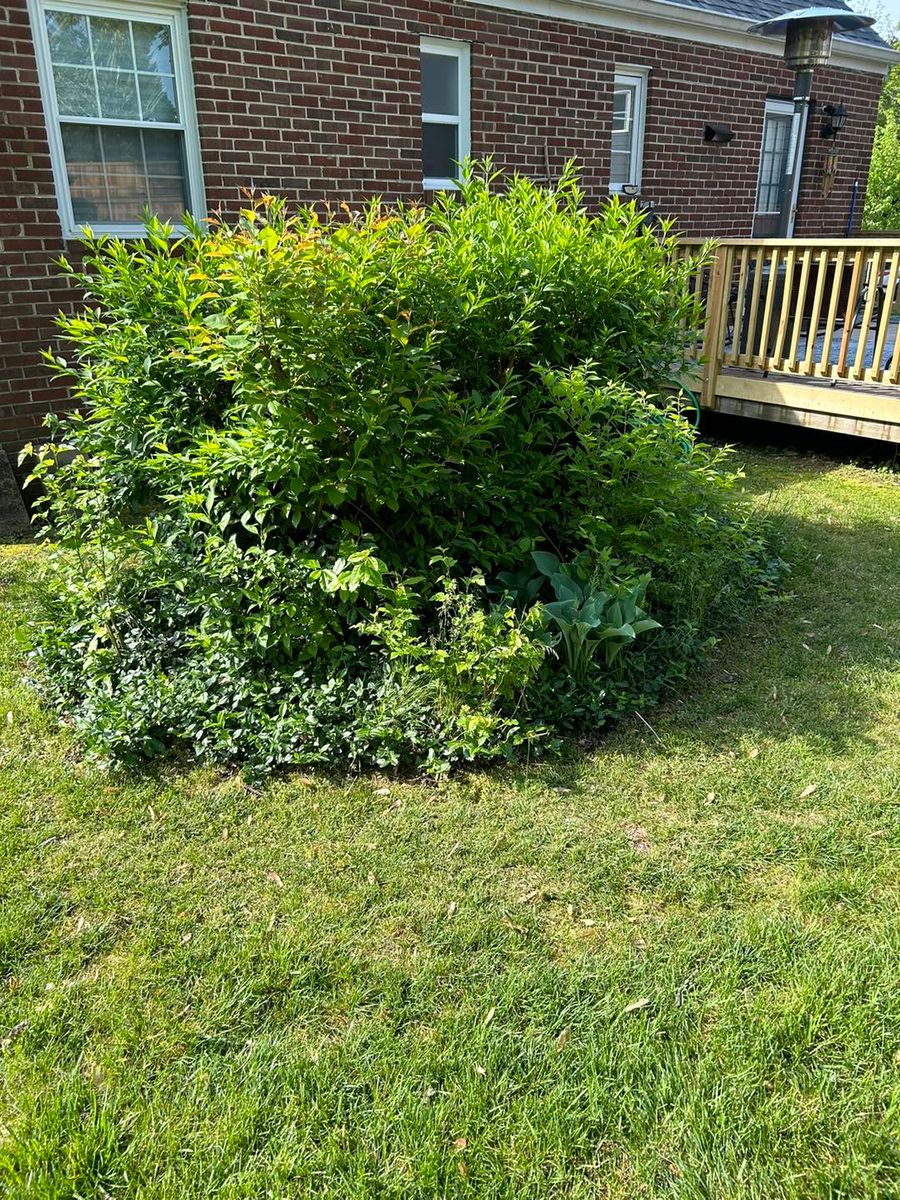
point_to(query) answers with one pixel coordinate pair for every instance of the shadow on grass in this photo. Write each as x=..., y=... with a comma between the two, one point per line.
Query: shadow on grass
x=794, y=444
x=813, y=666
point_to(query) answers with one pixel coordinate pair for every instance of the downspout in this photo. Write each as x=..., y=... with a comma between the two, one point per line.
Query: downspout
x=854, y=193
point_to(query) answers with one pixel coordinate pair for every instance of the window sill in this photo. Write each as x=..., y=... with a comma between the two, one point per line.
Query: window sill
x=129, y=233
x=440, y=185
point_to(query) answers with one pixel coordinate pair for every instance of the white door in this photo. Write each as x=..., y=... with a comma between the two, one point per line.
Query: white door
x=782, y=141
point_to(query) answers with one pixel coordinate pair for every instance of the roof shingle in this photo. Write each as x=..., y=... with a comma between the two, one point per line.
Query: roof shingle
x=761, y=10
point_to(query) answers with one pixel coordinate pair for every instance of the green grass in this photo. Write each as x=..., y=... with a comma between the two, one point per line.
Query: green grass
x=667, y=969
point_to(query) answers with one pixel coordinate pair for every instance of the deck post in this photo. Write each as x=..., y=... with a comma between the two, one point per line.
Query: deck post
x=716, y=316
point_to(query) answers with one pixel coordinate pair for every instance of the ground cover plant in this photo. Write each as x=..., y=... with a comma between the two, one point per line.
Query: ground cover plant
x=303, y=514
x=663, y=970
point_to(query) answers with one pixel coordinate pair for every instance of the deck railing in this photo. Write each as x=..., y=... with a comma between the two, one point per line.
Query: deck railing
x=804, y=308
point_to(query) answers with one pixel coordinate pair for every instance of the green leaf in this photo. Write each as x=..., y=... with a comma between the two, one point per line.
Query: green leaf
x=547, y=564
x=562, y=610
x=566, y=588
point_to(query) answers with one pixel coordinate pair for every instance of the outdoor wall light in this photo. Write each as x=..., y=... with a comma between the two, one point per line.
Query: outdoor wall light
x=837, y=115
x=718, y=135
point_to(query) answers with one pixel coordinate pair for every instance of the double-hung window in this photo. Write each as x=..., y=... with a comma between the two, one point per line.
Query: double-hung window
x=629, y=105
x=117, y=94
x=445, y=110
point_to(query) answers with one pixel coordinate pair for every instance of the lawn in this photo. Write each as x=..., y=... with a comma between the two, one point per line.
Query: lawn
x=668, y=968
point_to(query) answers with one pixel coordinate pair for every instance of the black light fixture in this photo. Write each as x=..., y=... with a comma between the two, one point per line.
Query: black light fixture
x=718, y=135
x=837, y=115
x=807, y=44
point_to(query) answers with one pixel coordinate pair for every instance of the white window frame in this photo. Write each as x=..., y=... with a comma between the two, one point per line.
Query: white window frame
x=459, y=51
x=175, y=17
x=637, y=78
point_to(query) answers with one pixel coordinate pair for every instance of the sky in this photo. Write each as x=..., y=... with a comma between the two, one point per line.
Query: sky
x=886, y=13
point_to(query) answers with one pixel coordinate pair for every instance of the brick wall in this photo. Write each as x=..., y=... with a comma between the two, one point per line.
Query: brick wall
x=321, y=100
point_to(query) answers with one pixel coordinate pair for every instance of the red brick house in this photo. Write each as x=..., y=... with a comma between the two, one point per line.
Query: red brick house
x=109, y=106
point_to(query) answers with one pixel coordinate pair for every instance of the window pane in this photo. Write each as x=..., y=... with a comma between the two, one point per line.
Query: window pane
x=124, y=94
x=126, y=179
x=68, y=35
x=122, y=148
x=85, y=172
x=127, y=196
x=621, y=162
x=440, y=84
x=112, y=43
x=623, y=99
x=167, y=196
x=164, y=152
x=620, y=167
x=116, y=174
x=118, y=95
x=152, y=49
x=75, y=94
x=627, y=102
x=158, y=98
x=439, y=151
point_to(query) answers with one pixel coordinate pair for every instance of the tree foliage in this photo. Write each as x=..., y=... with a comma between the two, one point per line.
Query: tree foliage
x=882, y=204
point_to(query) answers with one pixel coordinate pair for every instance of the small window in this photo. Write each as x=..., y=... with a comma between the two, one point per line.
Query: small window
x=626, y=151
x=117, y=94
x=445, y=111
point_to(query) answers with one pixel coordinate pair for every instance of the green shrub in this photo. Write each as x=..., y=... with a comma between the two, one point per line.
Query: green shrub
x=882, y=203
x=311, y=451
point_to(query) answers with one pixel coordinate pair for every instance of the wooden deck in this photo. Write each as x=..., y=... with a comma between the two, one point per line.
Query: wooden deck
x=867, y=410
x=802, y=332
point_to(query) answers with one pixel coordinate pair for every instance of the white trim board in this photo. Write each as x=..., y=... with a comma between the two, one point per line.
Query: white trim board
x=666, y=19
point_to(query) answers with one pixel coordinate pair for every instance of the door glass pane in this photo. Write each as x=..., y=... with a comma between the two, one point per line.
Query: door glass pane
x=440, y=84
x=765, y=225
x=773, y=162
x=439, y=151
x=68, y=36
x=112, y=43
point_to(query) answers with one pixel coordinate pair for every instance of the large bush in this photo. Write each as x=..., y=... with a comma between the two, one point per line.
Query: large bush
x=398, y=487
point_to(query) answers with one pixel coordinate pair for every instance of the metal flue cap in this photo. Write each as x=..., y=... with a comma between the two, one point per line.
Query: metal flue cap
x=842, y=20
